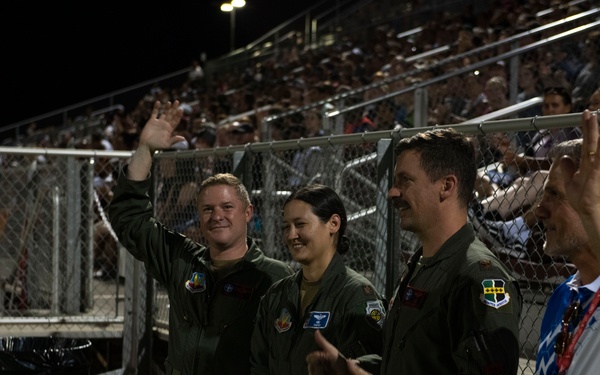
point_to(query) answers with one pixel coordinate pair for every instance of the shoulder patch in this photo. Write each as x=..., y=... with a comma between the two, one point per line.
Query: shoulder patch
x=196, y=283
x=367, y=290
x=376, y=312
x=494, y=294
x=284, y=322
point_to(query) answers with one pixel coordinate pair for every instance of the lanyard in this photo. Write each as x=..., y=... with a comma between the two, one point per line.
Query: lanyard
x=564, y=361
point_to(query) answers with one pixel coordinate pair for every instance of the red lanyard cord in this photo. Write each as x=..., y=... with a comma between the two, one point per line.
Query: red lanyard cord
x=564, y=361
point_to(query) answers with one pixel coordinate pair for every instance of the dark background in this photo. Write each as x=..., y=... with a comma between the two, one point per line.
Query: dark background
x=55, y=55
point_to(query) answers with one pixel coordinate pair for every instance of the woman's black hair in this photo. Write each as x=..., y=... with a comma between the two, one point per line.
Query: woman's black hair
x=325, y=202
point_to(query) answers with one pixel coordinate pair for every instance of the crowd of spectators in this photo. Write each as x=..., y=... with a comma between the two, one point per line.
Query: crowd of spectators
x=300, y=76
x=228, y=108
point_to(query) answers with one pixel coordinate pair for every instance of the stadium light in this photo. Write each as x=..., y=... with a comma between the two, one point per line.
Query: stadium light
x=230, y=7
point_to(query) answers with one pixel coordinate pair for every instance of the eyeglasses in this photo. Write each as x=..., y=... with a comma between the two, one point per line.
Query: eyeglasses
x=564, y=337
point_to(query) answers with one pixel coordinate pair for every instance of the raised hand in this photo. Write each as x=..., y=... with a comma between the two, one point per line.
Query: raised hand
x=582, y=185
x=156, y=135
x=158, y=131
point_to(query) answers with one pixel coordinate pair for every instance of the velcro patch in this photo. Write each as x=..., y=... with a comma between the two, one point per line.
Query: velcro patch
x=376, y=312
x=413, y=297
x=284, y=322
x=494, y=294
x=317, y=319
x=237, y=290
x=196, y=283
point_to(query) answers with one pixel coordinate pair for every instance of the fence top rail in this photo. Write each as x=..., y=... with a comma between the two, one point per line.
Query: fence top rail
x=483, y=127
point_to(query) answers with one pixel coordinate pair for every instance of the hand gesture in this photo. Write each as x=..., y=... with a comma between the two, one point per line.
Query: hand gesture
x=158, y=131
x=329, y=361
x=582, y=185
x=156, y=135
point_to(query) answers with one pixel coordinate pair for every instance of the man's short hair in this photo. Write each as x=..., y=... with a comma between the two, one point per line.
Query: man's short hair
x=570, y=148
x=229, y=180
x=443, y=152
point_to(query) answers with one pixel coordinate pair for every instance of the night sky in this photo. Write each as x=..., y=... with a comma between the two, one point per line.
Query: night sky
x=56, y=55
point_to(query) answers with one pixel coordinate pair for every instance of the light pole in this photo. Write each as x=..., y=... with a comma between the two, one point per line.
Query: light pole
x=230, y=7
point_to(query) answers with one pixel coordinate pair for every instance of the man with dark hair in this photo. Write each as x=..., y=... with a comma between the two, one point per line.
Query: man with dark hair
x=457, y=308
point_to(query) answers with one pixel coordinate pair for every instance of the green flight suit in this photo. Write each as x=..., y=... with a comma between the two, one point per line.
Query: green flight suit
x=210, y=322
x=346, y=308
x=458, y=314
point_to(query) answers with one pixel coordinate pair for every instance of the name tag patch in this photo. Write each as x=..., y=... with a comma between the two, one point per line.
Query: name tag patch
x=413, y=297
x=237, y=291
x=317, y=319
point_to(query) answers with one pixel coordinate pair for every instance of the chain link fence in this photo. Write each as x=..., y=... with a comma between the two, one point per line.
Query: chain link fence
x=55, y=237
x=50, y=215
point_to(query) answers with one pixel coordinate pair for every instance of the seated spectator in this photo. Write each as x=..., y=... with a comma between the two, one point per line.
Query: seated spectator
x=306, y=161
x=587, y=78
x=313, y=123
x=594, y=102
x=377, y=117
x=517, y=233
x=475, y=97
x=239, y=132
x=177, y=184
x=557, y=101
x=496, y=94
x=493, y=192
x=523, y=231
x=530, y=87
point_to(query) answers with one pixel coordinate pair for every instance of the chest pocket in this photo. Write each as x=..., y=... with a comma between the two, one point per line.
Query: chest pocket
x=190, y=298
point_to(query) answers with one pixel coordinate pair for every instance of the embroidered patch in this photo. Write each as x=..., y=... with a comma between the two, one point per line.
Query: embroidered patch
x=317, y=319
x=284, y=322
x=494, y=294
x=376, y=312
x=367, y=290
x=485, y=264
x=413, y=297
x=237, y=290
x=196, y=283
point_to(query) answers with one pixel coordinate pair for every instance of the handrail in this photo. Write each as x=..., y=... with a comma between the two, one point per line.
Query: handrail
x=515, y=108
x=519, y=124
x=506, y=55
